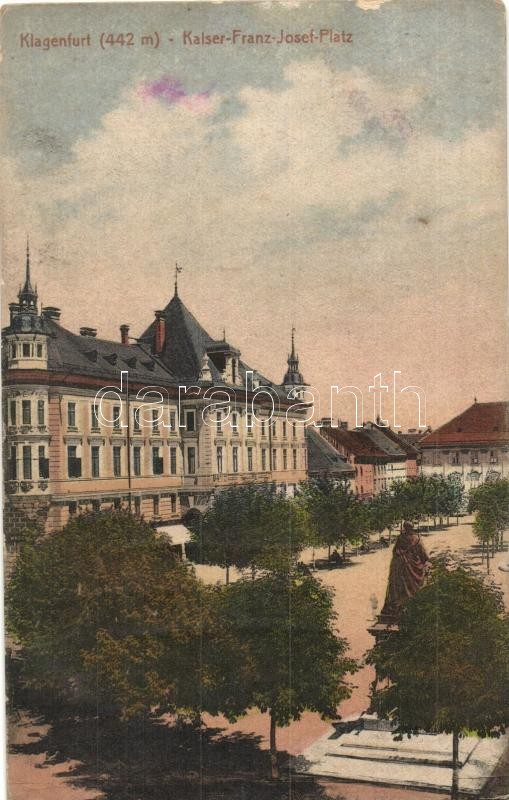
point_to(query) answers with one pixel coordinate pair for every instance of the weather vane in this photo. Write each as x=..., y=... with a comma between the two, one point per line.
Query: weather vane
x=177, y=271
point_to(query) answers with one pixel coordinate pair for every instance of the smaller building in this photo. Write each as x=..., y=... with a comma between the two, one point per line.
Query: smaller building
x=376, y=459
x=474, y=445
x=324, y=461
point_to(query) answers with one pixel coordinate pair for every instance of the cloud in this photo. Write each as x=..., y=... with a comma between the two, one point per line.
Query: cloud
x=370, y=5
x=322, y=204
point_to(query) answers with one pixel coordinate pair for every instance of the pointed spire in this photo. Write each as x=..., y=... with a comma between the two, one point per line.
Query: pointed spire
x=293, y=376
x=28, y=295
x=293, y=343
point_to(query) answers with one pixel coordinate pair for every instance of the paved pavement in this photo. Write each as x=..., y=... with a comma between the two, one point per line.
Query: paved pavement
x=356, y=587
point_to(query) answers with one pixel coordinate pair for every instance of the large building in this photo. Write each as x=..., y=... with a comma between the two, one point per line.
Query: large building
x=473, y=445
x=183, y=416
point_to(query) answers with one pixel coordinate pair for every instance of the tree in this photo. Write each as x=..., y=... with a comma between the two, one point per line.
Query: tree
x=106, y=614
x=250, y=526
x=448, y=665
x=291, y=657
x=490, y=501
x=383, y=512
x=335, y=514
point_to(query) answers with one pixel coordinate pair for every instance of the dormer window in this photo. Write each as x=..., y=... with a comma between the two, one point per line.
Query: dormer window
x=14, y=350
x=26, y=350
x=39, y=350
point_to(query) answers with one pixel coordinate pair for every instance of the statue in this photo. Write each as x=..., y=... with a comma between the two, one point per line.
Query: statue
x=407, y=574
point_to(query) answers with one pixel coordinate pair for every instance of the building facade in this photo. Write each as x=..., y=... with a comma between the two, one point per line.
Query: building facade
x=155, y=424
x=474, y=446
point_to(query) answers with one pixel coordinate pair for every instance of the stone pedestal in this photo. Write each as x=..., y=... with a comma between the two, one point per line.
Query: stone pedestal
x=363, y=750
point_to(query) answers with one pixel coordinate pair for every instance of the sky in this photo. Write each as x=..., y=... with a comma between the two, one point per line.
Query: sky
x=353, y=190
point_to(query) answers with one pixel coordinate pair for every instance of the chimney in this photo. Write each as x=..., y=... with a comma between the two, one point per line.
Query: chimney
x=51, y=312
x=160, y=333
x=92, y=332
x=124, y=334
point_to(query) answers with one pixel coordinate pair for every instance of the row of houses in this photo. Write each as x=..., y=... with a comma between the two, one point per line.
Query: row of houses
x=159, y=422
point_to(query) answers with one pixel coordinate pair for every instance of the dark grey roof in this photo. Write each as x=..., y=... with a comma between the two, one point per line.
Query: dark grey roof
x=324, y=459
x=186, y=342
x=382, y=441
x=87, y=355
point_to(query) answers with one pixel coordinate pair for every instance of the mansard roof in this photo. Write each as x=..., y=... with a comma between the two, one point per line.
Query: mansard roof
x=100, y=358
x=480, y=423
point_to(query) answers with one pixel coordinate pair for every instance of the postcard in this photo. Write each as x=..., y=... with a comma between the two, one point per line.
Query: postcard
x=255, y=400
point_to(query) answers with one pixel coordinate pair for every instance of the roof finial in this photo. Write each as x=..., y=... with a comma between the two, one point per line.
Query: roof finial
x=475, y=399
x=293, y=341
x=224, y=334
x=177, y=270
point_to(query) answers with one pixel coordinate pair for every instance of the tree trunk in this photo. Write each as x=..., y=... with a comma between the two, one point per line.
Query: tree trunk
x=274, y=769
x=344, y=549
x=488, y=557
x=328, y=552
x=227, y=575
x=455, y=766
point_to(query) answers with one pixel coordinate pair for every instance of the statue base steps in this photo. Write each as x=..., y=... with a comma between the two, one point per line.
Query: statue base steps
x=363, y=750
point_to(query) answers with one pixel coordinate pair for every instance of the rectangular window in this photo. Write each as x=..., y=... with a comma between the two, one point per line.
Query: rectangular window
x=13, y=463
x=157, y=462
x=117, y=462
x=26, y=412
x=39, y=351
x=12, y=409
x=40, y=412
x=191, y=460
x=285, y=459
x=173, y=460
x=284, y=430
x=274, y=429
x=235, y=454
x=218, y=421
x=274, y=459
x=14, y=351
x=94, y=417
x=136, y=420
x=73, y=462
x=294, y=428
x=137, y=506
x=155, y=420
x=235, y=423
x=263, y=427
x=173, y=499
x=219, y=458
x=249, y=459
x=190, y=421
x=71, y=415
x=26, y=350
x=249, y=423
x=137, y=461
x=43, y=463
x=73, y=508
x=294, y=456
x=116, y=418
x=264, y=460
x=173, y=421
x=156, y=505
x=95, y=460
x=96, y=505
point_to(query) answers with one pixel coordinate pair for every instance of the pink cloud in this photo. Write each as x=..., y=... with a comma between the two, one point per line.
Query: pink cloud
x=171, y=91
